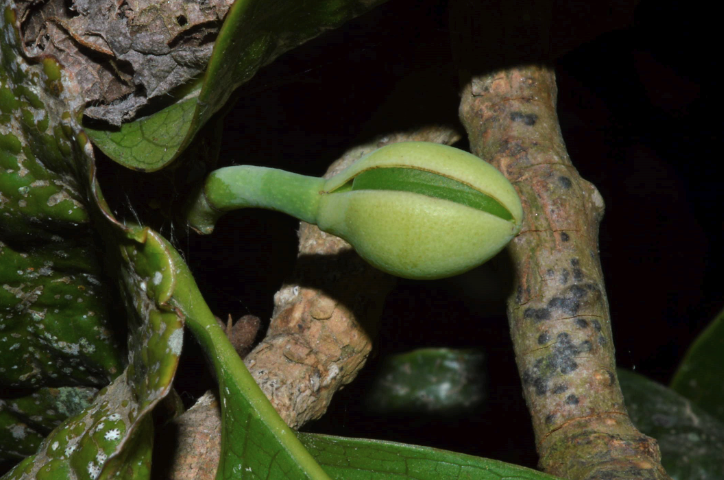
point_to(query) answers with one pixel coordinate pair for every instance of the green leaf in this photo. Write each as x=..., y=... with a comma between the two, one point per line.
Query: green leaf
x=691, y=441
x=358, y=459
x=430, y=184
x=699, y=375
x=18, y=440
x=30, y=418
x=431, y=380
x=148, y=144
x=55, y=328
x=254, y=33
x=255, y=441
x=54, y=319
x=100, y=441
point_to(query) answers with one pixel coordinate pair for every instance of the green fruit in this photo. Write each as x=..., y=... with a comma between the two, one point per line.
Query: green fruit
x=422, y=210
x=416, y=210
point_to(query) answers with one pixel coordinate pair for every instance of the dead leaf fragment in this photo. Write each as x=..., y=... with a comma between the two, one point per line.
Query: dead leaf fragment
x=123, y=54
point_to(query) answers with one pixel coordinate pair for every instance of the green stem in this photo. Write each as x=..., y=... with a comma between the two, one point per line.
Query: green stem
x=246, y=186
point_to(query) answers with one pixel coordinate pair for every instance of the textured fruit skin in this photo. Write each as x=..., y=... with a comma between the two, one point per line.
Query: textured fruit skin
x=416, y=236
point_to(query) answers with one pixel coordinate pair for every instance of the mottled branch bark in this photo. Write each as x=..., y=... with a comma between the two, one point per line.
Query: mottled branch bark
x=558, y=311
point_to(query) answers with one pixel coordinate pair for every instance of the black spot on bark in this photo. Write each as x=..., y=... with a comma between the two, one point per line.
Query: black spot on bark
x=543, y=338
x=537, y=314
x=528, y=119
x=564, y=276
x=578, y=291
x=611, y=378
x=571, y=302
x=550, y=419
x=550, y=272
x=564, y=351
x=565, y=182
x=540, y=384
x=601, y=337
x=569, y=366
x=519, y=295
x=560, y=360
x=577, y=272
x=572, y=400
x=558, y=389
x=581, y=323
x=565, y=237
x=512, y=148
x=586, y=346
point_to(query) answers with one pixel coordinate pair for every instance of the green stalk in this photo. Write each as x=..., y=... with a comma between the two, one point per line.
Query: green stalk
x=246, y=186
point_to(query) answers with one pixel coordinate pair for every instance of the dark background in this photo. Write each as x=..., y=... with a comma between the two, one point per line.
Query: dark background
x=638, y=115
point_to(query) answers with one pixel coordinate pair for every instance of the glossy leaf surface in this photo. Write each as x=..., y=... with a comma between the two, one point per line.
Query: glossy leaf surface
x=699, y=375
x=358, y=459
x=254, y=33
x=691, y=441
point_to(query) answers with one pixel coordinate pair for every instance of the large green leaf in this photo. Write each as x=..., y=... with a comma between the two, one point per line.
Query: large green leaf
x=698, y=377
x=254, y=33
x=359, y=459
x=691, y=441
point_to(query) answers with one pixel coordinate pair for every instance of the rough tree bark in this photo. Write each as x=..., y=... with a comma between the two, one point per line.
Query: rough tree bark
x=558, y=311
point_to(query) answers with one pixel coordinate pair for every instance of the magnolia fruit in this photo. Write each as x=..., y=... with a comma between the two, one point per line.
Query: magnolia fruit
x=416, y=210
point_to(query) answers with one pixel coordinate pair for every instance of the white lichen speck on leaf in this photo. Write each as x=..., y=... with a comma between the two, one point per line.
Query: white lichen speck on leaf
x=18, y=431
x=175, y=341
